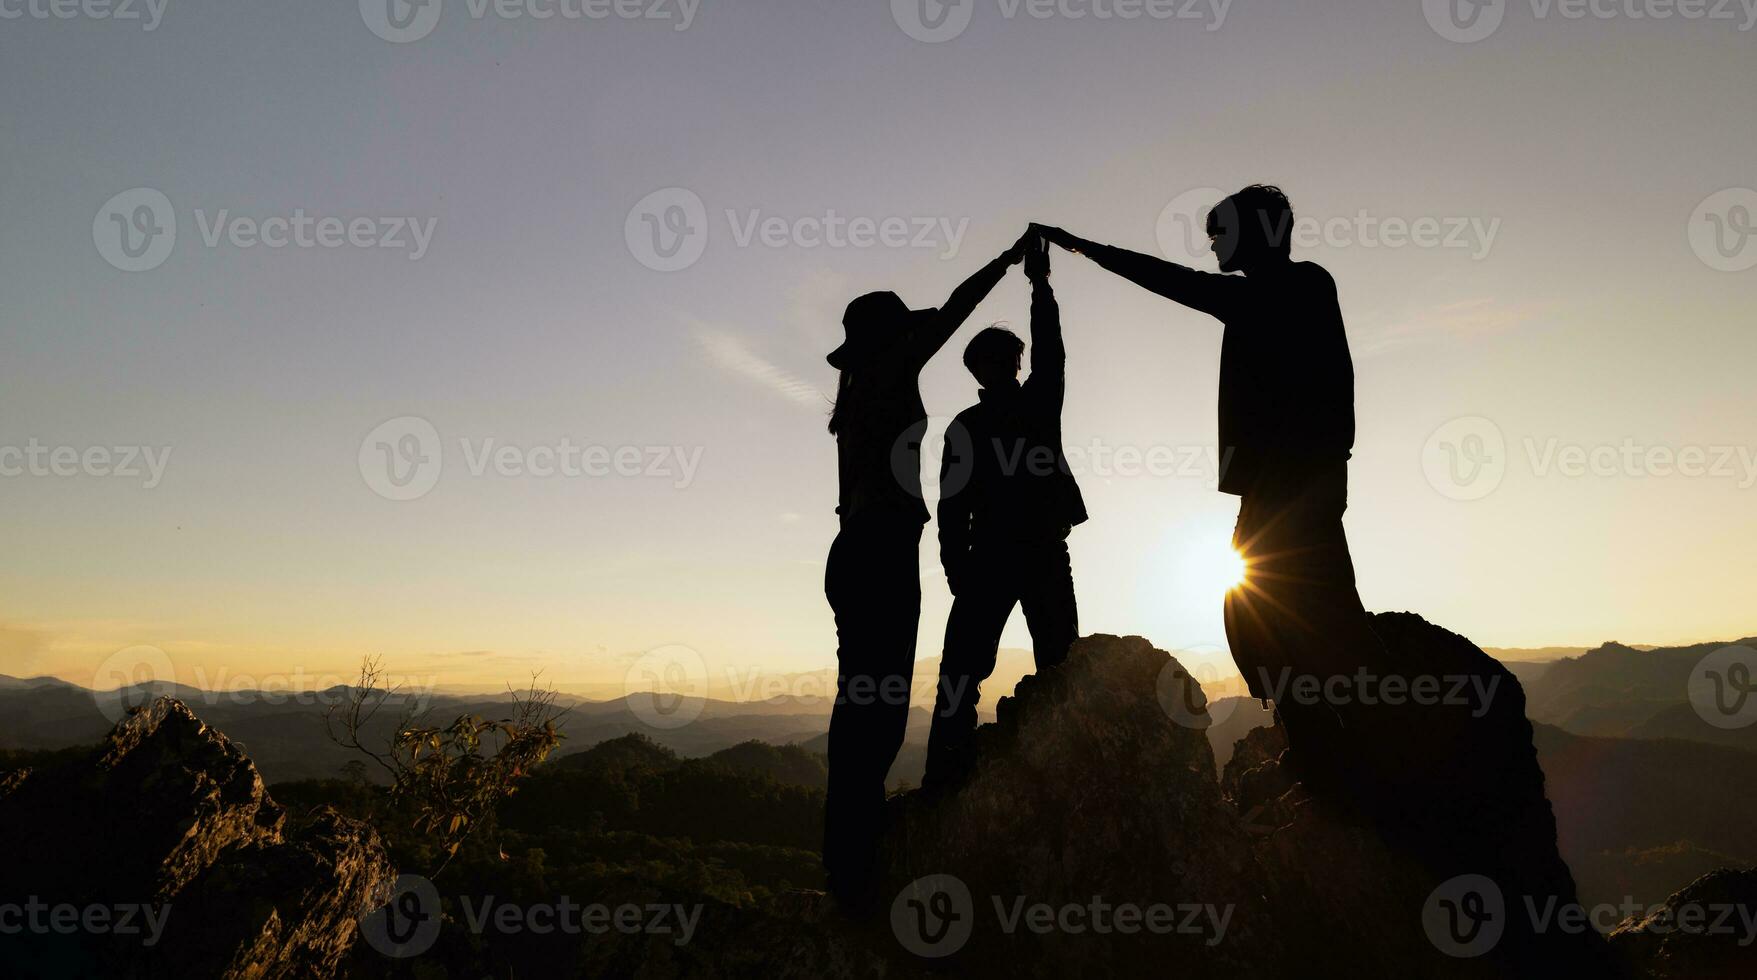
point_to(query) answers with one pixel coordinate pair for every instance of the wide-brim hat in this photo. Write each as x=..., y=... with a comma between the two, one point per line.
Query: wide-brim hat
x=872, y=324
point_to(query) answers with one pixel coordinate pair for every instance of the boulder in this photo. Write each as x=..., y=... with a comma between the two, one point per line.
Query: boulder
x=1707, y=931
x=1092, y=810
x=171, y=859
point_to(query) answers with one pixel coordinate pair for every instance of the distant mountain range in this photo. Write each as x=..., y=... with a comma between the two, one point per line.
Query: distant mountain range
x=1612, y=690
x=1648, y=794
x=1629, y=692
x=285, y=734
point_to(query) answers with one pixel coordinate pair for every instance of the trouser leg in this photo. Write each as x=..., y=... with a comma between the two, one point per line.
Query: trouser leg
x=874, y=586
x=1047, y=595
x=1254, y=630
x=973, y=633
x=1299, y=615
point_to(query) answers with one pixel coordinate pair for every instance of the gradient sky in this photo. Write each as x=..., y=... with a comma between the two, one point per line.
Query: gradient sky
x=1587, y=144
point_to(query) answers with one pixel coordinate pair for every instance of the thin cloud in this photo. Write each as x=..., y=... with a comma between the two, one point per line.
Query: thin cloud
x=727, y=352
x=1466, y=319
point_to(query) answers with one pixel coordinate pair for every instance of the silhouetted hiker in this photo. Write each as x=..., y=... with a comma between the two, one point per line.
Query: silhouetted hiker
x=1008, y=501
x=1286, y=434
x=872, y=578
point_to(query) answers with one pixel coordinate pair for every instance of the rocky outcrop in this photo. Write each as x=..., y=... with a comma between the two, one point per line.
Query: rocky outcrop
x=287, y=908
x=1090, y=809
x=1094, y=839
x=1439, y=856
x=1708, y=931
x=167, y=824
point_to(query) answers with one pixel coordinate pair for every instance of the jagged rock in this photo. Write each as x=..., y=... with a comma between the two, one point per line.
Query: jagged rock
x=1087, y=786
x=158, y=801
x=286, y=908
x=1704, y=932
x=1448, y=795
x=168, y=815
x=191, y=792
x=1254, y=772
x=1086, y=789
x=11, y=780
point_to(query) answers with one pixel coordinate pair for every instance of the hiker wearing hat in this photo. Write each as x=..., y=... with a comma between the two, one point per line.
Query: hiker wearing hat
x=872, y=578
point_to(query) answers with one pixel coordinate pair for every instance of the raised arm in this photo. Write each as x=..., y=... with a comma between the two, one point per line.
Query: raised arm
x=963, y=301
x=1049, y=357
x=1209, y=292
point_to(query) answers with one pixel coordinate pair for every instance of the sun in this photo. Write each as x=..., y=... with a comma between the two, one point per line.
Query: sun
x=1213, y=564
x=1183, y=580
x=1229, y=569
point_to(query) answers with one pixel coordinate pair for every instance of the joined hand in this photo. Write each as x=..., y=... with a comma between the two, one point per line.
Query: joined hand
x=1037, y=258
x=1053, y=235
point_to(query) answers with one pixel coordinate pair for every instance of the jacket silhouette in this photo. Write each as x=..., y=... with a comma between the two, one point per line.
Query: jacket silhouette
x=1286, y=377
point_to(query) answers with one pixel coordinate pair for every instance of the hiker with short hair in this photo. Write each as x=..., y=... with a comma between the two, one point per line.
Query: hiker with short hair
x=1286, y=435
x=1007, y=503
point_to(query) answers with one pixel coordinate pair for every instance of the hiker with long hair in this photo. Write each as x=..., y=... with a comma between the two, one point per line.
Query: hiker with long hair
x=872, y=578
